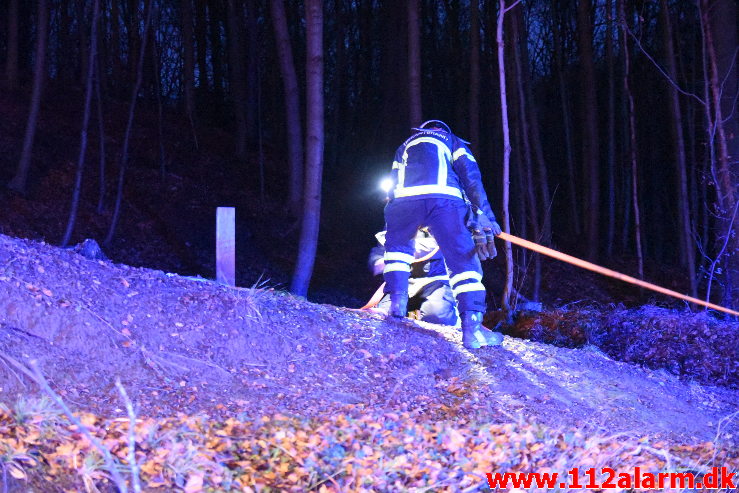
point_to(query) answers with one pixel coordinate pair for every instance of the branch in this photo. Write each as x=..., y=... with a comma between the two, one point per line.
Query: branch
x=35, y=374
x=131, y=437
x=674, y=84
x=720, y=253
x=511, y=6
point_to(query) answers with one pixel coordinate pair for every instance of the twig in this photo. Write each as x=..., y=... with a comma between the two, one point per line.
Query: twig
x=206, y=363
x=674, y=84
x=511, y=6
x=110, y=326
x=131, y=437
x=16, y=376
x=35, y=374
x=720, y=254
x=161, y=360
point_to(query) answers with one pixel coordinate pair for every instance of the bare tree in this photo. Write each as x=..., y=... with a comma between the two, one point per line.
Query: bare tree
x=611, y=130
x=115, y=41
x=101, y=137
x=127, y=136
x=526, y=164
x=590, y=142
x=11, y=60
x=314, y=148
x=559, y=53
x=237, y=82
x=201, y=35
x=18, y=182
x=687, y=250
x=720, y=67
x=292, y=106
x=215, y=15
x=632, y=141
x=253, y=94
x=508, y=289
x=414, y=62
x=92, y=55
x=474, y=101
x=188, y=65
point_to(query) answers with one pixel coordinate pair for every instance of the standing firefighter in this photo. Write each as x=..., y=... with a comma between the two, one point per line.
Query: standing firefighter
x=432, y=174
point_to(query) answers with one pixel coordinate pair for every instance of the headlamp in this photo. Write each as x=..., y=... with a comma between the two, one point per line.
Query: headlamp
x=386, y=184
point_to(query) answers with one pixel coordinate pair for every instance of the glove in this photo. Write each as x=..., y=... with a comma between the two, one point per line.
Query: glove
x=481, y=245
x=484, y=232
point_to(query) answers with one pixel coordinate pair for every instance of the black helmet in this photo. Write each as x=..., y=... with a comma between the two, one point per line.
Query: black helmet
x=434, y=124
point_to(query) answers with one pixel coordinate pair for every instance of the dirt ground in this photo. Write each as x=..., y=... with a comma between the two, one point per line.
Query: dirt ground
x=189, y=345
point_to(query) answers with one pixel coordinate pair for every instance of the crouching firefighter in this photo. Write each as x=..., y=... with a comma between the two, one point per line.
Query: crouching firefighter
x=432, y=173
x=428, y=286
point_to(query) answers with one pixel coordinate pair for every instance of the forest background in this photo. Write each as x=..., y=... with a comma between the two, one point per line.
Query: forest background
x=620, y=115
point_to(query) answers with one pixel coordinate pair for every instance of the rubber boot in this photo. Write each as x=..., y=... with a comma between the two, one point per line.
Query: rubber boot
x=398, y=305
x=474, y=335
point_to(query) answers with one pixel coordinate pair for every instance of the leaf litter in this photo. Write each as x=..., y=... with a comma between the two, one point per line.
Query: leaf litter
x=252, y=389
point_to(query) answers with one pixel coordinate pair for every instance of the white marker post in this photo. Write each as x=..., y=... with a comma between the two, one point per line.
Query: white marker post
x=226, y=245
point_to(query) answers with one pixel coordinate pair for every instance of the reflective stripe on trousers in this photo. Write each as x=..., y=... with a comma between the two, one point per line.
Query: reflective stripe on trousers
x=445, y=219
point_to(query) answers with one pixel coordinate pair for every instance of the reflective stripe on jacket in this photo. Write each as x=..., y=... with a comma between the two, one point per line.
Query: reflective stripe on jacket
x=434, y=163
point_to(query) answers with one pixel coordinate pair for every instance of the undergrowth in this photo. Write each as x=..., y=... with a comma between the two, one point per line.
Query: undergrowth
x=355, y=451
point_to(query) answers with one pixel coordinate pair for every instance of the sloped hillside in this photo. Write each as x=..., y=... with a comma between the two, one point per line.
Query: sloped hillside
x=188, y=346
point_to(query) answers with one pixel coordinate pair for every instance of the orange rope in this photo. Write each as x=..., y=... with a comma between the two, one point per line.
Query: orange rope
x=608, y=272
x=380, y=291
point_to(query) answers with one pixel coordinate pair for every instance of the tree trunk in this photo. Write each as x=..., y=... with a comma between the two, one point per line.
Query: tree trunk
x=474, y=101
x=314, y=148
x=721, y=66
x=11, y=61
x=687, y=252
x=201, y=39
x=508, y=289
x=92, y=55
x=338, y=91
x=414, y=63
x=252, y=72
x=156, y=68
x=591, y=153
x=115, y=42
x=81, y=12
x=129, y=126
x=188, y=63
x=572, y=189
x=292, y=106
x=611, y=131
x=527, y=162
x=237, y=85
x=632, y=143
x=532, y=126
x=216, y=55
x=134, y=42
x=19, y=181
x=101, y=137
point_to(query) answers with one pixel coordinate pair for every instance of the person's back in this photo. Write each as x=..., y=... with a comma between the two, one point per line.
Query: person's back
x=432, y=173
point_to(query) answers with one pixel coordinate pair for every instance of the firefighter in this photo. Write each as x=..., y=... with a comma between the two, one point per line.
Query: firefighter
x=432, y=175
x=428, y=287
